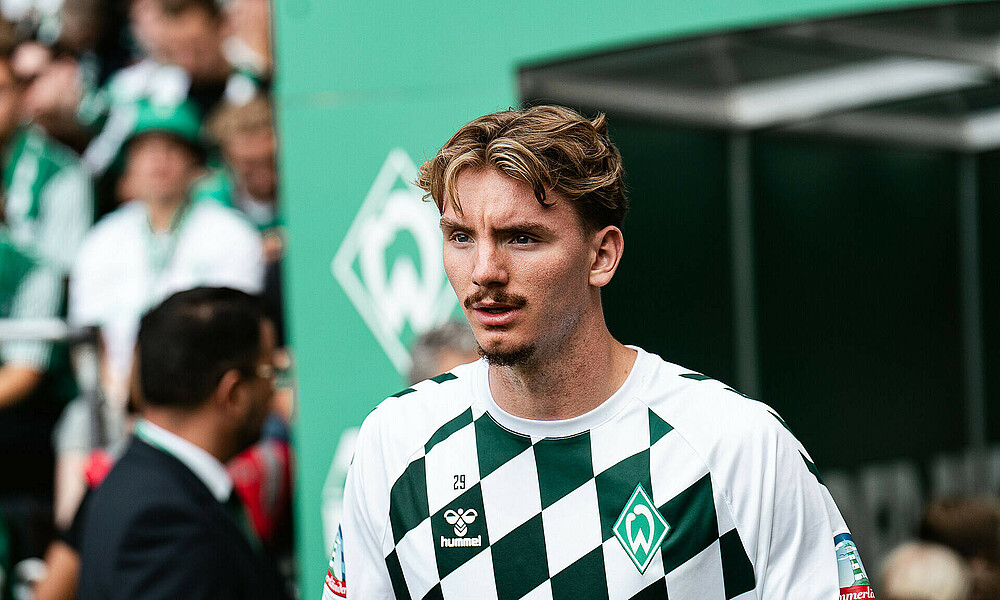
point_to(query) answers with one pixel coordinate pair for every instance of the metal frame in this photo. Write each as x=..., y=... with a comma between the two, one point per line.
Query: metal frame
x=83, y=342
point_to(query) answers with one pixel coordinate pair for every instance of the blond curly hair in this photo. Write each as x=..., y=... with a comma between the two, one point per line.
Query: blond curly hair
x=550, y=148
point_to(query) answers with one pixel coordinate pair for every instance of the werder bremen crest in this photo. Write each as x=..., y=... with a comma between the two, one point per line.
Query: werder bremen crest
x=389, y=263
x=641, y=529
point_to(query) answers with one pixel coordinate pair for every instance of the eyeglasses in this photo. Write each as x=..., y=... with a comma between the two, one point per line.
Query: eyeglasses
x=272, y=372
x=281, y=374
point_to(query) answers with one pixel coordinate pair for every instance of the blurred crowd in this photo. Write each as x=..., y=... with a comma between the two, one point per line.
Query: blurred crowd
x=137, y=159
x=956, y=555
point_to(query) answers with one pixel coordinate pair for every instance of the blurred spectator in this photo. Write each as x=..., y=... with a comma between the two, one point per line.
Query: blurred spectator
x=92, y=44
x=166, y=522
x=245, y=134
x=160, y=242
x=249, y=45
x=192, y=35
x=184, y=40
x=923, y=571
x=147, y=28
x=442, y=349
x=35, y=385
x=248, y=182
x=971, y=527
x=47, y=202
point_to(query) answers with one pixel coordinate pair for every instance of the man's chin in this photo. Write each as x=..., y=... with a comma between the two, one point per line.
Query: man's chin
x=507, y=357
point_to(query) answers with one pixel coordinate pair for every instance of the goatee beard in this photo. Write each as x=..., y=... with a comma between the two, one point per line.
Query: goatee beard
x=510, y=358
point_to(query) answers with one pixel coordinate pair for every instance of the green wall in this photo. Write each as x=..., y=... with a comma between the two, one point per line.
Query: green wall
x=358, y=80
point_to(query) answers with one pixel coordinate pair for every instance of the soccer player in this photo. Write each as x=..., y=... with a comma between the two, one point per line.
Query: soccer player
x=565, y=464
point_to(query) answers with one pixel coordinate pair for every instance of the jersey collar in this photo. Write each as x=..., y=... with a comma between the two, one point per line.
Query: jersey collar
x=566, y=427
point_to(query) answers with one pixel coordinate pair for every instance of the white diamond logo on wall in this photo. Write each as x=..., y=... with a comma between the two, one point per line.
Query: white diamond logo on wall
x=389, y=264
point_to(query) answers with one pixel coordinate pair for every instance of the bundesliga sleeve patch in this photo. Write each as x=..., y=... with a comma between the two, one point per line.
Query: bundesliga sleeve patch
x=854, y=584
x=336, y=577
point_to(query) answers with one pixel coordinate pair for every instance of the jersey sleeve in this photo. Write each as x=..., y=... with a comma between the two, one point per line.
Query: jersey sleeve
x=798, y=523
x=358, y=566
x=39, y=296
x=787, y=520
x=799, y=559
x=68, y=206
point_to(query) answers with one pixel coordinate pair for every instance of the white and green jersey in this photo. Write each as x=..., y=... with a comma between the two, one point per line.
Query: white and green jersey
x=48, y=199
x=28, y=290
x=677, y=486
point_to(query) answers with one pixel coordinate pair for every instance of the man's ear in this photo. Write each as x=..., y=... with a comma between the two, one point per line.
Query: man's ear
x=608, y=247
x=226, y=395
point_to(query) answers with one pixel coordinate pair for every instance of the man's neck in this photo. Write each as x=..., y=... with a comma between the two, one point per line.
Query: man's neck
x=162, y=212
x=190, y=428
x=572, y=381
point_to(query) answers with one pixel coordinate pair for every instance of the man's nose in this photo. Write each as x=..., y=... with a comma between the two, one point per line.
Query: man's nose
x=490, y=268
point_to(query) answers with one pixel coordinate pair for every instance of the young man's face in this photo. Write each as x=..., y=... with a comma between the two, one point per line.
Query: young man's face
x=192, y=40
x=147, y=26
x=251, y=154
x=160, y=167
x=520, y=269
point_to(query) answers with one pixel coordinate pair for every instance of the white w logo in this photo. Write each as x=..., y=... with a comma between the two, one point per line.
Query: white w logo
x=461, y=519
x=639, y=539
x=399, y=289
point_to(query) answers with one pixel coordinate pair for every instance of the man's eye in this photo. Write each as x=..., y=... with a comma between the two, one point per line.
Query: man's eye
x=523, y=239
x=461, y=238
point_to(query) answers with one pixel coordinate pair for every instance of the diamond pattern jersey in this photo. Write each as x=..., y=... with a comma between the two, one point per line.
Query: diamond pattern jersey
x=675, y=487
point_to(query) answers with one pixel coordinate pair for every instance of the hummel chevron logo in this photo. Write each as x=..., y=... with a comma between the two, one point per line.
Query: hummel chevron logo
x=461, y=519
x=640, y=529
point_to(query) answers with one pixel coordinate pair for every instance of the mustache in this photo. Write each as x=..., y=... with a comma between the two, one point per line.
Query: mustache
x=498, y=296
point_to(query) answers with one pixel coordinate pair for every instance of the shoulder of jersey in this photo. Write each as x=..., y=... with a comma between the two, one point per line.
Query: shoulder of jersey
x=54, y=152
x=703, y=408
x=415, y=413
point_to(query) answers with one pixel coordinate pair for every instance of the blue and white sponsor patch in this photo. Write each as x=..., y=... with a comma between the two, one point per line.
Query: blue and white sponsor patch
x=336, y=574
x=854, y=584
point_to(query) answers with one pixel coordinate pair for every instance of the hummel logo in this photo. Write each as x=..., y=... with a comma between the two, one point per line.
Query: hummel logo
x=461, y=519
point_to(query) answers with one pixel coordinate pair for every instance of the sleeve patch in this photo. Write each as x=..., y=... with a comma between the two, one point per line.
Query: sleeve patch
x=854, y=583
x=336, y=576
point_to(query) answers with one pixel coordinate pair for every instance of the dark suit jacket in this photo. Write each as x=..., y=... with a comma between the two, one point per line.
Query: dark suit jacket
x=153, y=531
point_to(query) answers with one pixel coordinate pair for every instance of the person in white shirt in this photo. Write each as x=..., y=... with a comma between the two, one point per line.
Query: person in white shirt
x=160, y=242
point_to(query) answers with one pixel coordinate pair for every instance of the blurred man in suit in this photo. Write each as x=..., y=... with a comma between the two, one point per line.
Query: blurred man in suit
x=166, y=523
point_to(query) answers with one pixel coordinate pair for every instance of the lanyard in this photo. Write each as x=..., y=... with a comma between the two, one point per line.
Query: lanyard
x=160, y=251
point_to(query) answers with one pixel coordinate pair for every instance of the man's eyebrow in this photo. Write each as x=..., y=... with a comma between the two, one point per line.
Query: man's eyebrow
x=525, y=227
x=532, y=227
x=447, y=224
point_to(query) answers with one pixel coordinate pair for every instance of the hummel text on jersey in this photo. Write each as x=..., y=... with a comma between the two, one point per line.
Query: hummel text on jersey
x=461, y=542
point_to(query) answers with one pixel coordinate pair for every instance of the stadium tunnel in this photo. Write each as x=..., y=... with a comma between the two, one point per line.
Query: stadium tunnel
x=827, y=209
